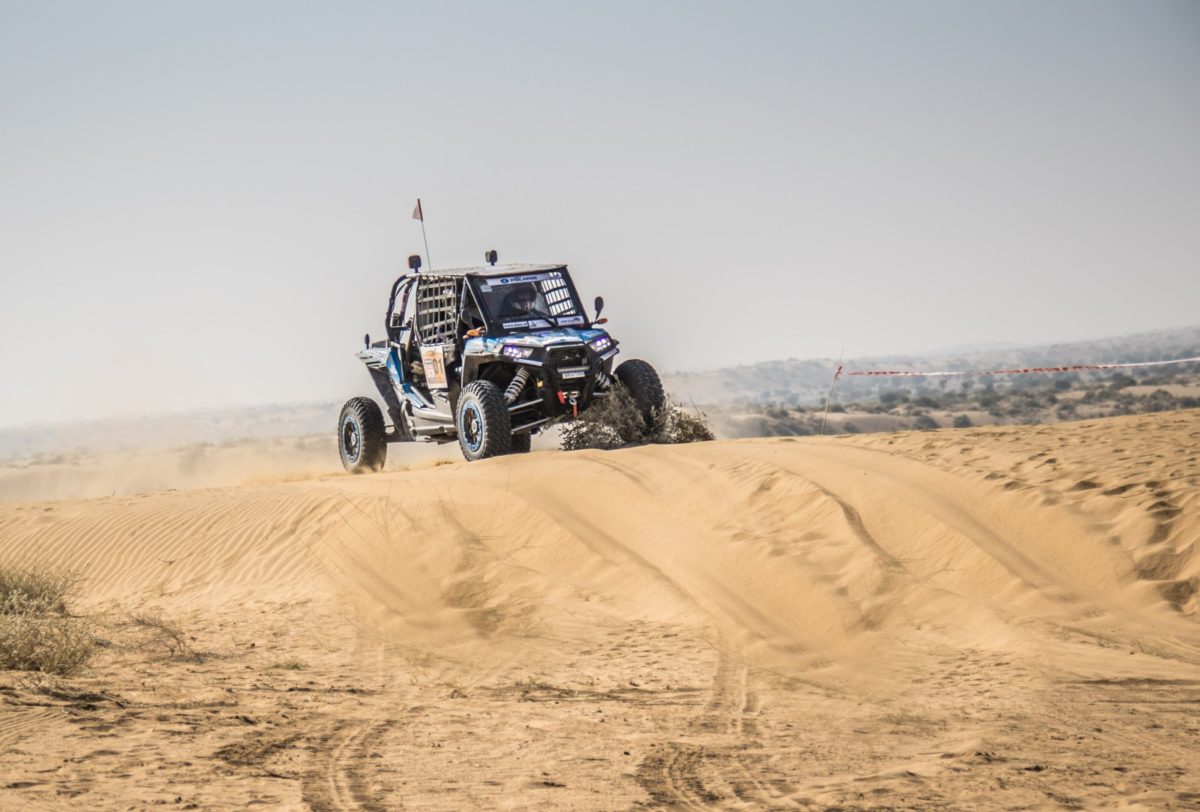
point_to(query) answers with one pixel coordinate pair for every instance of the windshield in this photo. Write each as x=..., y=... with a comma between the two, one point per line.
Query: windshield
x=536, y=301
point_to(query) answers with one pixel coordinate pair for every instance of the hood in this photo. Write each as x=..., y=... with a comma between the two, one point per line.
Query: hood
x=541, y=338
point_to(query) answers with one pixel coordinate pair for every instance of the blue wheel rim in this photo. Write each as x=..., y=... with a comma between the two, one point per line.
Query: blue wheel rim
x=351, y=440
x=472, y=427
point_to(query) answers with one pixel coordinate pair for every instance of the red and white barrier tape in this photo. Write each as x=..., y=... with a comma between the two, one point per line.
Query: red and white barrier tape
x=1025, y=371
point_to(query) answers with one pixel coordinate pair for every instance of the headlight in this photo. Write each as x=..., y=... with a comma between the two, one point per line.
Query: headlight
x=601, y=344
x=514, y=351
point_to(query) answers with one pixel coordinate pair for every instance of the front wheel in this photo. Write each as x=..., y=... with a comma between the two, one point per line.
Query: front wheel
x=362, y=439
x=644, y=387
x=484, y=428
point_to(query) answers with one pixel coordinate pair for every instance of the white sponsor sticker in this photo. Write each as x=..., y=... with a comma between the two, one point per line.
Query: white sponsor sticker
x=563, y=322
x=533, y=324
x=573, y=373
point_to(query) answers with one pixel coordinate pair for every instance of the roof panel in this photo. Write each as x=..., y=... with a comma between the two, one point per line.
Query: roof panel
x=496, y=270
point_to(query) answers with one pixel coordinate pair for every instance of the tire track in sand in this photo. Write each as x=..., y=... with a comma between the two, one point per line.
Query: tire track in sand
x=725, y=764
x=340, y=779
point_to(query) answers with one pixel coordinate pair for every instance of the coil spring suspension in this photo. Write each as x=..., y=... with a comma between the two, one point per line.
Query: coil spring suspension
x=604, y=379
x=518, y=383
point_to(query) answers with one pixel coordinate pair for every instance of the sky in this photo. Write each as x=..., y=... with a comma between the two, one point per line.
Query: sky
x=203, y=204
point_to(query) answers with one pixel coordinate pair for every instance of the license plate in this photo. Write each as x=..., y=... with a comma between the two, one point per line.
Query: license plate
x=572, y=373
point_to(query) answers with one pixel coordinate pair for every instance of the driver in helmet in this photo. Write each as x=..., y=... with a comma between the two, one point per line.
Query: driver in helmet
x=522, y=301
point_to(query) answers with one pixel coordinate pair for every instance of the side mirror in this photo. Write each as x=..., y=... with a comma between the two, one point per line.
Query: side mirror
x=599, y=305
x=414, y=262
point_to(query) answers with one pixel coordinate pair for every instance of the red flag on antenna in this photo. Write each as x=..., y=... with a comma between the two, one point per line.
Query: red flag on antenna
x=417, y=213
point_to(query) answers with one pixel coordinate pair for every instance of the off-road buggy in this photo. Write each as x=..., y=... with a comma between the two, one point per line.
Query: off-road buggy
x=488, y=356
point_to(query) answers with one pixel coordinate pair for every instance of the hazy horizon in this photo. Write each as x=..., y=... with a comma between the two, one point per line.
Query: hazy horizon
x=204, y=204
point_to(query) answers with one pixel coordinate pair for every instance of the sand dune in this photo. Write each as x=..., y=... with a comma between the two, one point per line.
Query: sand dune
x=992, y=618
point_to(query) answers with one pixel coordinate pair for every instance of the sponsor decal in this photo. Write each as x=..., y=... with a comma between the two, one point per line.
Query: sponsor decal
x=434, y=361
x=563, y=322
x=529, y=277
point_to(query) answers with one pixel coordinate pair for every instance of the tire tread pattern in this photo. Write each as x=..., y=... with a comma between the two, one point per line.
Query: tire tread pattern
x=497, y=426
x=372, y=435
x=644, y=385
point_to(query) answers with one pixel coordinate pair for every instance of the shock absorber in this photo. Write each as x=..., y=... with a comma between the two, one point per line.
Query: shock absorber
x=604, y=379
x=518, y=383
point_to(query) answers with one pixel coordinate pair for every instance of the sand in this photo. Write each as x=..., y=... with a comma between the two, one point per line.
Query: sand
x=991, y=618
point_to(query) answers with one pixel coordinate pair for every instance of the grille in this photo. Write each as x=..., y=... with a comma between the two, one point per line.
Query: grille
x=568, y=357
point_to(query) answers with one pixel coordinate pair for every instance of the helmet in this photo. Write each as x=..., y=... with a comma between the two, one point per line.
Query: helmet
x=525, y=296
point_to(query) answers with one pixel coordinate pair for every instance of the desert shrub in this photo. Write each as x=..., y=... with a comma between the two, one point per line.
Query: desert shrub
x=925, y=422
x=35, y=590
x=1120, y=381
x=678, y=425
x=850, y=428
x=1160, y=400
x=54, y=644
x=962, y=422
x=37, y=632
x=614, y=422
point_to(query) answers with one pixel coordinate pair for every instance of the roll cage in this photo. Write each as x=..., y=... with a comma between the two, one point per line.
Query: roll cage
x=447, y=305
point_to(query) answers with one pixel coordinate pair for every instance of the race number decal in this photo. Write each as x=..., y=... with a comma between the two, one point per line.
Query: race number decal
x=434, y=361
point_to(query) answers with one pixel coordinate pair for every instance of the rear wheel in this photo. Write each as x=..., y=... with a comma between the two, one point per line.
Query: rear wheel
x=484, y=428
x=362, y=439
x=644, y=386
x=521, y=443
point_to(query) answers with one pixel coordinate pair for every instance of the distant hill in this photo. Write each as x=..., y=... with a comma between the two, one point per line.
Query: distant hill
x=799, y=382
x=793, y=382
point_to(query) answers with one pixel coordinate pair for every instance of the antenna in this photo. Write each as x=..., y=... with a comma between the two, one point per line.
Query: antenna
x=419, y=214
x=836, y=374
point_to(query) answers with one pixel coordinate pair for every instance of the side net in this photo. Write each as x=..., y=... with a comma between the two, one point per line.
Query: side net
x=437, y=309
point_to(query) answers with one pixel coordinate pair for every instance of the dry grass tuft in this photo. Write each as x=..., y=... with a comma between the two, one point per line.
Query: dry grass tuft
x=615, y=422
x=37, y=630
x=35, y=590
x=165, y=635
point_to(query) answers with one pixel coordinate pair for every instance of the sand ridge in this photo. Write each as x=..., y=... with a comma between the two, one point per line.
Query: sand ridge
x=980, y=619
